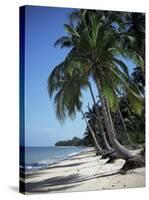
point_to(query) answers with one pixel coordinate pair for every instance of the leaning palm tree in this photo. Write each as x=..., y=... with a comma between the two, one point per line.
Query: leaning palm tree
x=99, y=149
x=63, y=78
x=67, y=86
x=93, y=120
x=105, y=141
x=95, y=51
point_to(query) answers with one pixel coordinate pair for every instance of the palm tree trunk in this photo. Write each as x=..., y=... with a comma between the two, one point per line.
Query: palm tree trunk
x=99, y=149
x=110, y=117
x=106, y=144
x=124, y=126
x=120, y=150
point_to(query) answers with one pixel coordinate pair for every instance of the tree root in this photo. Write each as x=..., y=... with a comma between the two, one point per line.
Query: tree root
x=112, y=158
x=134, y=162
x=112, y=155
x=107, y=154
x=98, y=153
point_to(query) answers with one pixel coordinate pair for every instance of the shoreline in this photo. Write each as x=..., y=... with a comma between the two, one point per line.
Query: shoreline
x=47, y=165
x=83, y=172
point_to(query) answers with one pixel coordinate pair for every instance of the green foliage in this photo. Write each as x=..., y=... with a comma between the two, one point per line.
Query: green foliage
x=64, y=41
x=137, y=137
x=109, y=92
x=138, y=79
x=74, y=142
x=135, y=124
x=96, y=50
x=135, y=103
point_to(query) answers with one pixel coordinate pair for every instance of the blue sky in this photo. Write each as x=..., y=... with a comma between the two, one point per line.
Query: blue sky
x=44, y=25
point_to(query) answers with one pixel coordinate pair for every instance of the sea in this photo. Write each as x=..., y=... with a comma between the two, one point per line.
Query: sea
x=41, y=157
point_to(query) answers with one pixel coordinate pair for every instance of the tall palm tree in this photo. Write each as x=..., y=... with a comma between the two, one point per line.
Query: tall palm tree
x=105, y=142
x=95, y=48
x=68, y=85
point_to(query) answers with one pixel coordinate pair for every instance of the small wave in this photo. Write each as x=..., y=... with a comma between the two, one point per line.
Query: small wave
x=88, y=149
x=73, y=154
x=81, y=150
x=29, y=168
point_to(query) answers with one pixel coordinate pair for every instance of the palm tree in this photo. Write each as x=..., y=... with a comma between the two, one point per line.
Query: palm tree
x=124, y=126
x=68, y=86
x=136, y=33
x=99, y=149
x=95, y=48
x=92, y=117
x=105, y=142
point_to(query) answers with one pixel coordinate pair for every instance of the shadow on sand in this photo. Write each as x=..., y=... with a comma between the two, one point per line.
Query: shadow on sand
x=61, y=183
x=44, y=171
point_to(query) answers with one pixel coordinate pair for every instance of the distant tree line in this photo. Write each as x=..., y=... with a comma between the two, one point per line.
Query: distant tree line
x=75, y=141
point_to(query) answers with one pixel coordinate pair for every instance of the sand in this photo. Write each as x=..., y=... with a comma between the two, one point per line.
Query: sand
x=83, y=172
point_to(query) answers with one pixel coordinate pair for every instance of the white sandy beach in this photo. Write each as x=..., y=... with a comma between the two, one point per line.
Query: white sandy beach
x=83, y=172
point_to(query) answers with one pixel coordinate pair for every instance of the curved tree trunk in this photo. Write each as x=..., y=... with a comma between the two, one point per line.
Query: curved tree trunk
x=120, y=149
x=99, y=149
x=106, y=144
x=109, y=115
x=124, y=126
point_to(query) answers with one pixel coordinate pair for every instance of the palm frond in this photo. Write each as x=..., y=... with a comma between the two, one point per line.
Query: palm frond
x=56, y=78
x=134, y=95
x=108, y=91
x=71, y=30
x=59, y=106
x=122, y=65
x=64, y=41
